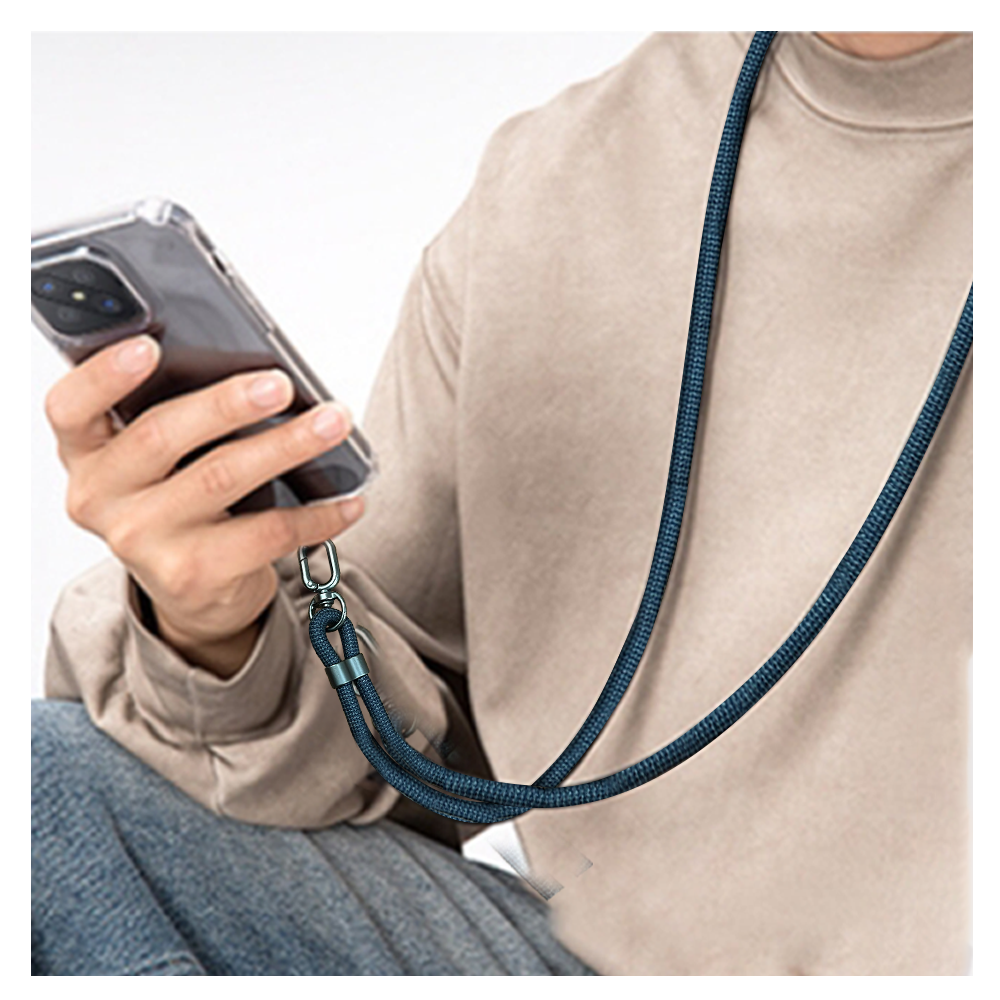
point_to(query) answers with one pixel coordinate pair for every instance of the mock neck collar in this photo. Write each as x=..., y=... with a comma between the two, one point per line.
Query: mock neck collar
x=926, y=90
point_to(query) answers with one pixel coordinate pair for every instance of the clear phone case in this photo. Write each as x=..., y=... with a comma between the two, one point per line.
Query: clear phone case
x=150, y=268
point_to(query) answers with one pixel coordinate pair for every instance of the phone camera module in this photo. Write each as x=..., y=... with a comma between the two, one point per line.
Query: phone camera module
x=81, y=296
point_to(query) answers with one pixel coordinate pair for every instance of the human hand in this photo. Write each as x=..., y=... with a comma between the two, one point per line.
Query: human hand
x=208, y=573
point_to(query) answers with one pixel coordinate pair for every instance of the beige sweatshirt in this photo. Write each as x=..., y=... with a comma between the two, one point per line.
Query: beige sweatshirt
x=523, y=417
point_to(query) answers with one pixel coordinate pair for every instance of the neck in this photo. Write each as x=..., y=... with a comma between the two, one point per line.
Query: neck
x=883, y=44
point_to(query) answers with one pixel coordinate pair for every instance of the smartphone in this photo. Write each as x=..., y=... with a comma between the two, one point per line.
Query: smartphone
x=151, y=269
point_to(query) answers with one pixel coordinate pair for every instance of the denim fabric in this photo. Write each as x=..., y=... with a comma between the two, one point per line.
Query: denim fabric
x=131, y=877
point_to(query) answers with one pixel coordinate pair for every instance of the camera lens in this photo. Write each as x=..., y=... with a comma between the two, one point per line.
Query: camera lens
x=69, y=315
x=108, y=304
x=84, y=275
x=44, y=285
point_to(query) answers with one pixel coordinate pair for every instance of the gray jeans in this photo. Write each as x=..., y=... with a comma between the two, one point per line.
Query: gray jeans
x=131, y=877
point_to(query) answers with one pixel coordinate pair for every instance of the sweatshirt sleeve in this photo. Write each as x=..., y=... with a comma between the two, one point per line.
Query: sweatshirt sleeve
x=270, y=745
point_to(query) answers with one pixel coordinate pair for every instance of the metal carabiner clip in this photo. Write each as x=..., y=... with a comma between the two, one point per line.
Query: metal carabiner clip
x=325, y=594
x=307, y=579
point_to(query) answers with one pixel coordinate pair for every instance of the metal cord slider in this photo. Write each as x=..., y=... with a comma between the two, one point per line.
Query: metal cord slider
x=347, y=670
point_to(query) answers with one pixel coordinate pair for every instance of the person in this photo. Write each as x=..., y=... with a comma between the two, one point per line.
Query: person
x=199, y=806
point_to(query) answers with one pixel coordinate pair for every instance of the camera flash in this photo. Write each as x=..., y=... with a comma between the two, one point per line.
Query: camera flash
x=78, y=296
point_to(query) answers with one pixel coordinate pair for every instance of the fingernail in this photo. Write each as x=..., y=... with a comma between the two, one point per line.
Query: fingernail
x=270, y=389
x=329, y=423
x=136, y=356
x=351, y=510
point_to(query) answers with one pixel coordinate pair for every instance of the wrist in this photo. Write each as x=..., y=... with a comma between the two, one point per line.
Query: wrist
x=222, y=657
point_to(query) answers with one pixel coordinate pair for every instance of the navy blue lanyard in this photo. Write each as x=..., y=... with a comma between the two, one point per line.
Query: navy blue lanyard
x=469, y=799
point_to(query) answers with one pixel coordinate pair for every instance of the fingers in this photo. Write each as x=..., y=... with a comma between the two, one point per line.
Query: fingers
x=170, y=526
x=206, y=561
x=203, y=490
x=77, y=405
x=244, y=542
x=152, y=445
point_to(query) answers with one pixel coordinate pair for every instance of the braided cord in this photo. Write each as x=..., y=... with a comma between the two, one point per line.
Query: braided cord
x=484, y=801
x=724, y=715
